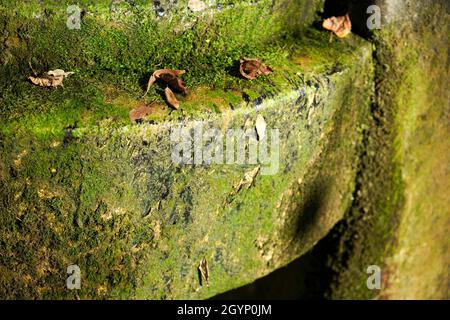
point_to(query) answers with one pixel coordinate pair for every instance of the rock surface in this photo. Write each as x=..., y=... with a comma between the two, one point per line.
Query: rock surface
x=80, y=184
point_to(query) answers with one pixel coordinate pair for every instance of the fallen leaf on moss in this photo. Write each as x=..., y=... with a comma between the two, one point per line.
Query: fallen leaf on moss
x=196, y=5
x=59, y=73
x=260, y=127
x=178, y=85
x=168, y=73
x=169, y=77
x=204, y=272
x=151, y=81
x=52, y=78
x=341, y=26
x=48, y=81
x=252, y=68
x=249, y=177
x=171, y=99
x=165, y=75
x=139, y=113
x=245, y=183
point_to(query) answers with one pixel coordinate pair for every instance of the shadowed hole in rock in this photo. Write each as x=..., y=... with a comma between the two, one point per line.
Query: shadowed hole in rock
x=307, y=277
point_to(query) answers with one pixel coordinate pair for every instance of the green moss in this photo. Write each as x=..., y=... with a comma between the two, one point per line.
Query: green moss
x=91, y=200
x=80, y=185
x=123, y=55
x=390, y=219
x=87, y=98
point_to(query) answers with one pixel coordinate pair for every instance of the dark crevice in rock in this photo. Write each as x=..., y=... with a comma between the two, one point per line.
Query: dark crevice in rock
x=307, y=277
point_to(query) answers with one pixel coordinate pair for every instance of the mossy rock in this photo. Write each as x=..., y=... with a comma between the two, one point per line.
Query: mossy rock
x=400, y=218
x=81, y=184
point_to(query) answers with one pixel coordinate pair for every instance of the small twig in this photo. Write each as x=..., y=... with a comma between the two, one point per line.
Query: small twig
x=31, y=67
x=204, y=272
x=152, y=102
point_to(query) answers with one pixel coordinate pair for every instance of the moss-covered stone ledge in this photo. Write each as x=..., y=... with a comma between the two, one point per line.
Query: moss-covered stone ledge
x=80, y=184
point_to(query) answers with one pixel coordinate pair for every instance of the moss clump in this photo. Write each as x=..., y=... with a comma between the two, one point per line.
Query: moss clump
x=103, y=93
x=124, y=50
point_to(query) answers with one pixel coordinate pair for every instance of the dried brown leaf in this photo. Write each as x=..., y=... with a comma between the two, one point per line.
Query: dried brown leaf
x=171, y=99
x=59, y=72
x=165, y=75
x=248, y=179
x=151, y=81
x=341, y=26
x=245, y=183
x=252, y=68
x=178, y=85
x=168, y=72
x=204, y=271
x=260, y=127
x=48, y=81
x=139, y=113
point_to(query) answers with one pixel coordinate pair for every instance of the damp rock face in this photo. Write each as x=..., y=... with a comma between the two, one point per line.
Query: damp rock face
x=82, y=185
x=400, y=219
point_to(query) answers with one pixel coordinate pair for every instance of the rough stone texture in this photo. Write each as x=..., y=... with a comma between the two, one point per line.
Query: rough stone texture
x=400, y=218
x=364, y=138
x=138, y=225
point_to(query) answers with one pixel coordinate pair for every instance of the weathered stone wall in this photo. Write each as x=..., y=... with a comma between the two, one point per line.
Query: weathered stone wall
x=400, y=217
x=83, y=185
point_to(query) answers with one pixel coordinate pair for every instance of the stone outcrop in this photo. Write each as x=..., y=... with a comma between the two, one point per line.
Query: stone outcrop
x=81, y=184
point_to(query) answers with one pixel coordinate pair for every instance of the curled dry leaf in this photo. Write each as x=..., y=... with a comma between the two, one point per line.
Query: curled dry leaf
x=178, y=85
x=252, y=68
x=48, y=81
x=139, y=113
x=168, y=73
x=244, y=183
x=151, y=81
x=171, y=99
x=250, y=176
x=248, y=179
x=260, y=127
x=165, y=75
x=59, y=73
x=204, y=271
x=341, y=26
x=52, y=78
x=196, y=5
